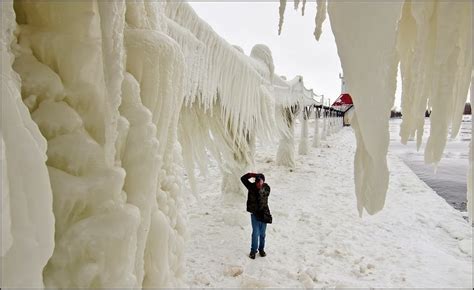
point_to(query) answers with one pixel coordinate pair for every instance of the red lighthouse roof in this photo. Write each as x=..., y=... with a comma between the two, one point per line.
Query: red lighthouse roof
x=343, y=103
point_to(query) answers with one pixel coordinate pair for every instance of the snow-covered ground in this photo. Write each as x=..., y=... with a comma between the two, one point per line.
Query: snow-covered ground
x=317, y=238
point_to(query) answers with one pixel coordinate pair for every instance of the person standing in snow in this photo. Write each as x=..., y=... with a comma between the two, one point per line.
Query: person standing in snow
x=257, y=205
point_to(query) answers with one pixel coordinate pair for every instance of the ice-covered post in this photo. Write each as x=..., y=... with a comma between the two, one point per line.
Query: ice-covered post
x=286, y=149
x=324, y=133
x=334, y=126
x=471, y=152
x=329, y=125
x=303, y=146
x=332, y=122
x=338, y=122
x=316, y=141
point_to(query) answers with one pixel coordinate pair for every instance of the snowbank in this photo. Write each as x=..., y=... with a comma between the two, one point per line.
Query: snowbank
x=318, y=240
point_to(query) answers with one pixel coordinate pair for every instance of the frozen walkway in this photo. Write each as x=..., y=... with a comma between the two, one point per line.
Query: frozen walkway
x=317, y=238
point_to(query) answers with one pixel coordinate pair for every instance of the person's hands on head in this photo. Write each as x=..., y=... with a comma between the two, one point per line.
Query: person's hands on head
x=259, y=180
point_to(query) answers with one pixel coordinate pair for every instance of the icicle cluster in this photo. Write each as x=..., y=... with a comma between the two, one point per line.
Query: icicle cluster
x=435, y=48
x=227, y=98
x=320, y=17
x=432, y=42
x=282, y=13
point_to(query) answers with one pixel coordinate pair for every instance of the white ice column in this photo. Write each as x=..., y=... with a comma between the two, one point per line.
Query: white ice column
x=303, y=147
x=471, y=152
x=324, y=131
x=26, y=196
x=316, y=137
x=329, y=124
x=157, y=63
x=286, y=148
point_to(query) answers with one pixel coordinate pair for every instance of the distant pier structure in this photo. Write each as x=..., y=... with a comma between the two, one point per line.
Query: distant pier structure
x=344, y=103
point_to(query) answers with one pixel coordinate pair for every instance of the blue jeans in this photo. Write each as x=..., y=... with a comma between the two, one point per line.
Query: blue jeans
x=258, y=231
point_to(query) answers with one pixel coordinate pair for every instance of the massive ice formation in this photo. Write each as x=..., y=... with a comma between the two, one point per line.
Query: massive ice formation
x=102, y=90
x=103, y=83
x=432, y=41
x=226, y=102
x=27, y=215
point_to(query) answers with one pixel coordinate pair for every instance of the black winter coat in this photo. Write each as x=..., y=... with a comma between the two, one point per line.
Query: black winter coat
x=257, y=200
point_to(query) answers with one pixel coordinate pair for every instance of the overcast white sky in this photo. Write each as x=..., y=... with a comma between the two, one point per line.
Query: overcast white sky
x=295, y=51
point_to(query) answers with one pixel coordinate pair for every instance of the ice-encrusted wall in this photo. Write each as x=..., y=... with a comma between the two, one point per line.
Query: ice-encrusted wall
x=103, y=83
x=95, y=92
x=27, y=215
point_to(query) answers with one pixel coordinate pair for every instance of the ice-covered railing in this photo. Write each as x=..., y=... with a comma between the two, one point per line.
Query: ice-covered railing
x=216, y=97
x=432, y=42
x=292, y=98
x=226, y=102
x=222, y=73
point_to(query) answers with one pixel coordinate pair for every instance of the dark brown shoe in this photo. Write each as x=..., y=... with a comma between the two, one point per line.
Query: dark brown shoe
x=252, y=255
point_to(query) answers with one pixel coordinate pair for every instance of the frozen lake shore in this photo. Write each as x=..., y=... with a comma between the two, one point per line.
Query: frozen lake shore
x=317, y=238
x=449, y=179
